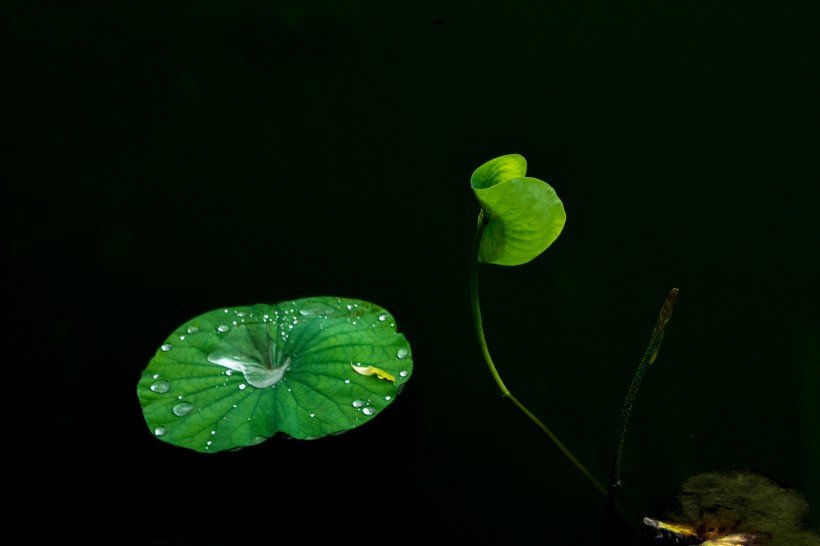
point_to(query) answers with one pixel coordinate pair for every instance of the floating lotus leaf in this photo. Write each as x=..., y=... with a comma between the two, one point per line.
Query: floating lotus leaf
x=305, y=368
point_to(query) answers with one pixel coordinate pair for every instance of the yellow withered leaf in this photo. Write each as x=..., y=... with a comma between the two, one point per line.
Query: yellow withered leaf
x=372, y=370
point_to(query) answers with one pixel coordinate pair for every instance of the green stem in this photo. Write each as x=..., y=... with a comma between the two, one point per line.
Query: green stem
x=486, y=352
x=649, y=356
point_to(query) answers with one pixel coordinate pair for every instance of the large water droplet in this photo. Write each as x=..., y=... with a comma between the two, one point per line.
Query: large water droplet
x=192, y=329
x=162, y=386
x=166, y=347
x=255, y=372
x=183, y=408
x=402, y=353
x=223, y=328
x=260, y=359
x=159, y=431
x=369, y=410
x=359, y=403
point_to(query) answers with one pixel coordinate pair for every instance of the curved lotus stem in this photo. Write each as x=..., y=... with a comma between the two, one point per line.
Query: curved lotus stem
x=504, y=390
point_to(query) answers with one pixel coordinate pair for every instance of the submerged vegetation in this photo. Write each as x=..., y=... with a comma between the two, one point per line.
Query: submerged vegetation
x=736, y=508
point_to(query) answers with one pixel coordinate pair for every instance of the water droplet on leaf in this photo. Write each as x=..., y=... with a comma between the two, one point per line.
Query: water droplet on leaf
x=162, y=386
x=183, y=408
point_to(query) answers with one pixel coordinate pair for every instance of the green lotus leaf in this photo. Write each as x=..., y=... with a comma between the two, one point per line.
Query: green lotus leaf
x=523, y=215
x=305, y=368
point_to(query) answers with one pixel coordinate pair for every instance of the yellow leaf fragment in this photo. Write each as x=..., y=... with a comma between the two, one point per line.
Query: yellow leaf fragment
x=372, y=370
x=676, y=530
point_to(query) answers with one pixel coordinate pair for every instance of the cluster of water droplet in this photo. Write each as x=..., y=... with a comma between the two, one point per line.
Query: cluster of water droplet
x=364, y=406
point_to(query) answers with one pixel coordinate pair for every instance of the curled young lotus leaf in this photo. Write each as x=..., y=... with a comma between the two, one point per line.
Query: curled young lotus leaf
x=523, y=215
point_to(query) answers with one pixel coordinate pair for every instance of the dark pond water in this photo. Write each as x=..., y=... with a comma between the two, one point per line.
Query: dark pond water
x=161, y=162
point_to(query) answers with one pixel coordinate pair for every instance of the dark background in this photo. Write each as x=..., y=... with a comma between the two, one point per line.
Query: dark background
x=160, y=160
